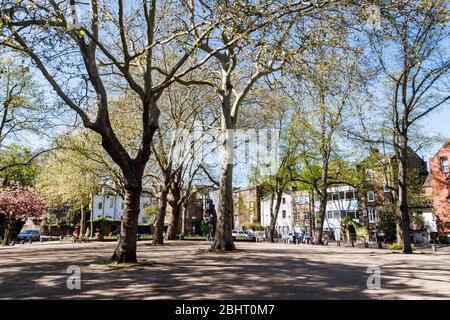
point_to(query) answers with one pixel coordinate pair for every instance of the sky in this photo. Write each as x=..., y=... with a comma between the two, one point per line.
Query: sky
x=438, y=122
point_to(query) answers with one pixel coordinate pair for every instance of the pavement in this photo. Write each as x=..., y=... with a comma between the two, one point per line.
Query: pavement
x=187, y=270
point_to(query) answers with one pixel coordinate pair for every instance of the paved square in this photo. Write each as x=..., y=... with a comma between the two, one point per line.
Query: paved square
x=186, y=270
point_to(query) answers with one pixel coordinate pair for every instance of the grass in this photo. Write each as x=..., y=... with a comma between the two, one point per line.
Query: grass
x=399, y=246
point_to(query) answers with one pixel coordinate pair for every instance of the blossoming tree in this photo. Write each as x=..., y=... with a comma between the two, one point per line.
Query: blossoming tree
x=21, y=203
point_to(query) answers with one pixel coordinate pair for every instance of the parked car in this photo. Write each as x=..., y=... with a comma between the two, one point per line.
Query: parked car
x=34, y=235
x=249, y=233
x=293, y=236
x=240, y=234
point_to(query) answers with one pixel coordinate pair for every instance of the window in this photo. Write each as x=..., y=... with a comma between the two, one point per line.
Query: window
x=100, y=205
x=386, y=188
x=330, y=214
x=342, y=195
x=296, y=216
x=369, y=174
x=335, y=196
x=349, y=195
x=444, y=164
x=306, y=215
x=352, y=214
x=336, y=215
x=372, y=215
x=302, y=199
x=329, y=196
x=283, y=214
x=370, y=196
x=284, y=200
x=111, y=202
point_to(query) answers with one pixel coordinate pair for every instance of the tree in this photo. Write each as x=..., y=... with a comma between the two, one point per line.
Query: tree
x=16, y=167
x=327, y=84
x=17, y=202
x=412, y=54
x=67, y=178
x=250, y=45
x=83, y=57
x=22, y=104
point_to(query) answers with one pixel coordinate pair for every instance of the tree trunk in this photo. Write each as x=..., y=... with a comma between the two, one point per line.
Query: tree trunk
x=158, y=233
x=402, y=193
x=126, y=246
x=175, y=221
x=223, y=240
x=312, y=215
x=8, y=228
x=398, y=228
x=321, y=217
x=82, y=220
x=91, y=231
x=274, y=214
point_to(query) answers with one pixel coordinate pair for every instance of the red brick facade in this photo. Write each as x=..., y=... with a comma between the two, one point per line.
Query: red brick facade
x=440, y=187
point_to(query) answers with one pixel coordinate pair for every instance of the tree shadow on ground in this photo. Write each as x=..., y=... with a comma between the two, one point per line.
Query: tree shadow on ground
x=185, y=272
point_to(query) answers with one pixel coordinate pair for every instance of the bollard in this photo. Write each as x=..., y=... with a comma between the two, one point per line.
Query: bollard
x=434, y=247
x=338, y=243
x=366, y=244
x=353, y=243
x=380, y=245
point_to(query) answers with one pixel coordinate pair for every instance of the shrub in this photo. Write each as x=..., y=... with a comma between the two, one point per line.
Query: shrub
x=399, y=246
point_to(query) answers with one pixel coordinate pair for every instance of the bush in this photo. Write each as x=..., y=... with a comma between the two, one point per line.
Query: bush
x=443, y=238
x=399, y=246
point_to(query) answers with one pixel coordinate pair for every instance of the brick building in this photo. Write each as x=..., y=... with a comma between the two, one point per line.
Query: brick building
x=247, y=207
x=440, y=187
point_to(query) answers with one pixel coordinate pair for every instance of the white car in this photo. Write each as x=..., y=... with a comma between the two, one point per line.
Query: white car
x=239, y=234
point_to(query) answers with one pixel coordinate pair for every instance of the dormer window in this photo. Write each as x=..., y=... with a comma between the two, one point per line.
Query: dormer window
x=444, y=164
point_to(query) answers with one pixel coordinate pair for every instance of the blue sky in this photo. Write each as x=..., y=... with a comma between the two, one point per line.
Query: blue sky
x=438, y=122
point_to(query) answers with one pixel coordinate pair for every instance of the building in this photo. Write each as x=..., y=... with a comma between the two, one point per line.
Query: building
x=342, y=201
x=438, y=187
x=247, y=207
x=294, y=213
x=110, y=206
x=301, y=211
x=284, y=224
x=378, y=196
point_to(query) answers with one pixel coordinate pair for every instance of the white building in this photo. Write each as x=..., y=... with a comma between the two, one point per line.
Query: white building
x=111, y=207
x=284, y=224
x=342, y=202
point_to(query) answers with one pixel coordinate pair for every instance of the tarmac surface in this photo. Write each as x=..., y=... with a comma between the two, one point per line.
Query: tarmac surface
x=187, y=270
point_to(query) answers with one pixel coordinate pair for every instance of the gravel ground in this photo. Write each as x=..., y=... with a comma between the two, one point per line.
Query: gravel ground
x=186, y=270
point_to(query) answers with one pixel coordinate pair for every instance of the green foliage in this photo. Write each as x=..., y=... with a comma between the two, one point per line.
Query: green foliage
x=203, y=226
x=248, y=225
x=73, y=216
x=19, y=169
x=104, y=221
x=399, y=246
x=361, y=230
x=387, y=223
x=150, y=213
